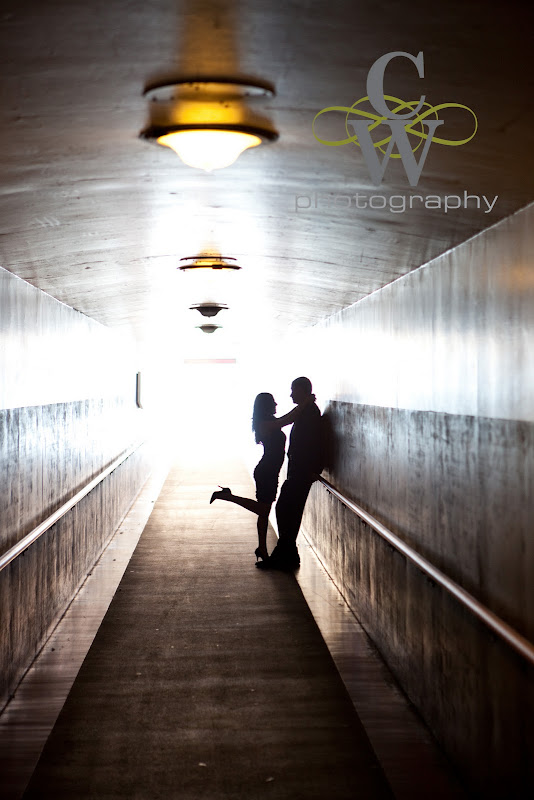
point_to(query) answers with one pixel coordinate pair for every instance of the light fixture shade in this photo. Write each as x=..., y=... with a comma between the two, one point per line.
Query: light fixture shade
x=209, y=149
x=207, y=121
x=213, y=262
x=209, y=309
x=209, y=328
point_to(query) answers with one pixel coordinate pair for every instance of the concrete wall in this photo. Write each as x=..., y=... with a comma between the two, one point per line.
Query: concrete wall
x=428, y=389
x=67, y=410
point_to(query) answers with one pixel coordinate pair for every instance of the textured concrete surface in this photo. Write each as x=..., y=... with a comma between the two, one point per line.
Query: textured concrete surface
x=37, y=587
x=67, y=411
x=208, y=678
x=430, y=384
x=474, y=692
x=456, y=488
x=80, y=221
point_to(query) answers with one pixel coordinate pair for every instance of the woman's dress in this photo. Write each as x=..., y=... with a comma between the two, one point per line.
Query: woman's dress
x=268, y=469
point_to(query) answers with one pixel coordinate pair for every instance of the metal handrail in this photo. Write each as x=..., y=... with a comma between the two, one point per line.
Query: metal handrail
x=31, y=537
x=495, y=623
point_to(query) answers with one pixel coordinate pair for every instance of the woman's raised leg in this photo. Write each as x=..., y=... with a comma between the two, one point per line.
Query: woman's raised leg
x=261, y=509
x=251, y=505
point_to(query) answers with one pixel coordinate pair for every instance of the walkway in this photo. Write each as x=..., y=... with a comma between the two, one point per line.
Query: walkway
x=208, y=678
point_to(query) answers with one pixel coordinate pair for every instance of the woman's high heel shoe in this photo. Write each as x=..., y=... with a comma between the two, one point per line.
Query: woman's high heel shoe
x=257, y=553
x=216, y=495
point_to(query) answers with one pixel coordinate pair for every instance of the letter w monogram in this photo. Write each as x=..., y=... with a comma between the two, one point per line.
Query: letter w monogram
x=398, y=137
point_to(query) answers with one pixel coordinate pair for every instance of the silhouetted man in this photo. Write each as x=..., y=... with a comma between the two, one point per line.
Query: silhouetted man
x=305, y=456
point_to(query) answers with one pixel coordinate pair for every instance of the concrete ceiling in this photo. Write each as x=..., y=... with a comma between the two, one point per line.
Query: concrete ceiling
x=99, y=219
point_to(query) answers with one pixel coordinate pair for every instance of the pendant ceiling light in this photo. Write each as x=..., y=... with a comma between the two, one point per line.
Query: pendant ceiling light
x=208, y=309
x=209, y=328
x=206, y=121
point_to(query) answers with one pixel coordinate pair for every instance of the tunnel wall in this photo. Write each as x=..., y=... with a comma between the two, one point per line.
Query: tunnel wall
x=430, y=384
x=67, y=410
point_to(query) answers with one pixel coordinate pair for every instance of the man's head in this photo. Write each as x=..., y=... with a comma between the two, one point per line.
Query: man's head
x=301, y=388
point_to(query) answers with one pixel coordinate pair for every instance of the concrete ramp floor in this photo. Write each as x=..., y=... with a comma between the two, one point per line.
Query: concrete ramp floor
x=208, y=678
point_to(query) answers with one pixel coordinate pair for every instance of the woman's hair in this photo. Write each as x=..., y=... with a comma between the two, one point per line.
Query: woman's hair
x=264, y=408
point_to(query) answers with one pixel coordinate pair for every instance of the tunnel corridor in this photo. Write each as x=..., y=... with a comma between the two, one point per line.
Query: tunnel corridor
x=200, y=202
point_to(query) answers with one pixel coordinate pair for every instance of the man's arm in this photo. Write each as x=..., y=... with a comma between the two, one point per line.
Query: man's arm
x=291, y=416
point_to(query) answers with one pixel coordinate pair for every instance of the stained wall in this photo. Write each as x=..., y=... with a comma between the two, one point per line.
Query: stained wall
x=67, y=410
x=427, y=387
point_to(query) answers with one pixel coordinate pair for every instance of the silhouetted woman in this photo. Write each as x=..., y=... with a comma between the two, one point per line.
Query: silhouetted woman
x=267, y=430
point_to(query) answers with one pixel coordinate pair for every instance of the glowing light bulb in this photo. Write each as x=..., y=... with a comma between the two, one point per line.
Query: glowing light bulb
x=209, y=149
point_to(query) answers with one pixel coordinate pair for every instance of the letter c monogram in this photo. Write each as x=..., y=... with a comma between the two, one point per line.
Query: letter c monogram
x=375, y=84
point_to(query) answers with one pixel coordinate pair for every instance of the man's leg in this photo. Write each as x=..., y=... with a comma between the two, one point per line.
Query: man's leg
x=289, y=511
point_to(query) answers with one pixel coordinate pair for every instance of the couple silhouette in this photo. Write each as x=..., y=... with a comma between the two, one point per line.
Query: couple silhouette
x=304, y=466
